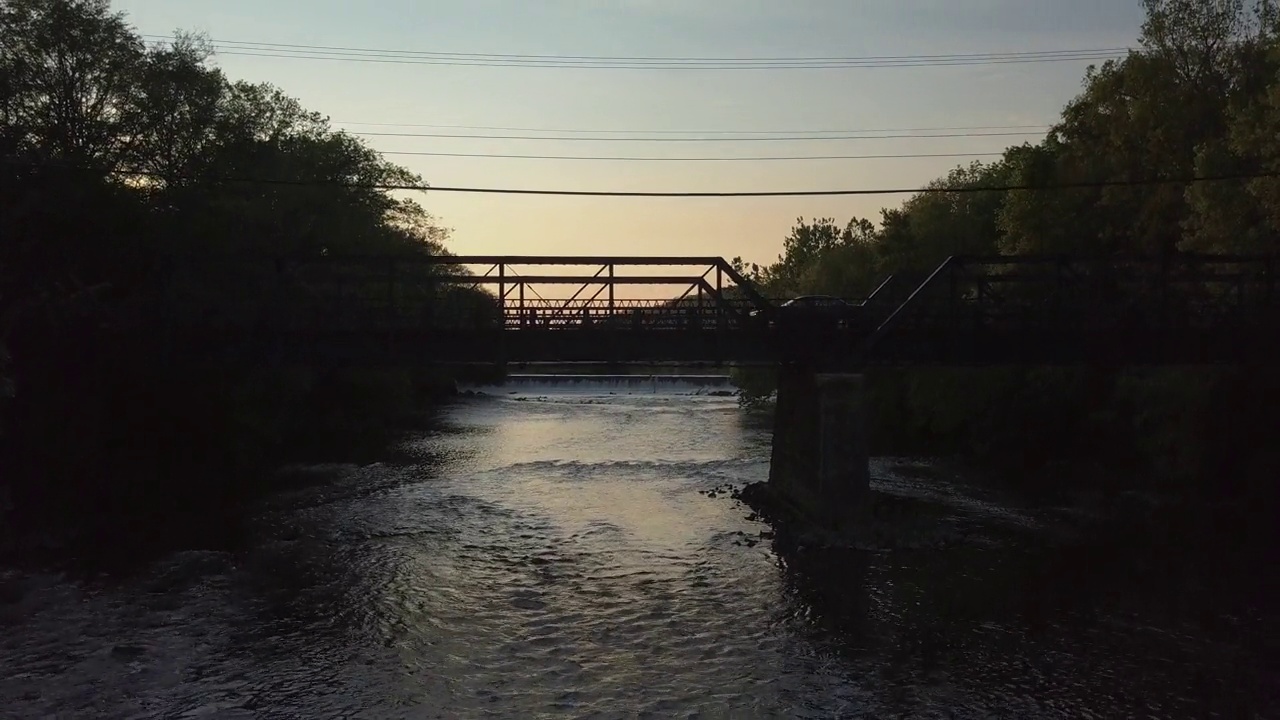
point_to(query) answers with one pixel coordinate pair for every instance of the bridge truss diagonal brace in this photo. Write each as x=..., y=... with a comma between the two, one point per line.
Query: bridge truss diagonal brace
x=722, y=267
x=606, y=279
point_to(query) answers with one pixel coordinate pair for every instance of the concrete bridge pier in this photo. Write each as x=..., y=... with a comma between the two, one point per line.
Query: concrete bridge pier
x=820, y=463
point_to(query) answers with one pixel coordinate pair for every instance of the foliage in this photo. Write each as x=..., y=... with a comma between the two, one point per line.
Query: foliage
x=133, y=172
x=755, y=385
x=1201, y=96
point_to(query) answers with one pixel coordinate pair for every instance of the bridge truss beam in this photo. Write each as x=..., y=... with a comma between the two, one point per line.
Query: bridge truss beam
x=969, y=310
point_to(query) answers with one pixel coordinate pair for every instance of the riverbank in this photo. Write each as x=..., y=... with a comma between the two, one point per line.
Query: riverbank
x=1165, y=526
x=1205, y=523
x=1199, y=436
x=1190, y=567
x=147, y=462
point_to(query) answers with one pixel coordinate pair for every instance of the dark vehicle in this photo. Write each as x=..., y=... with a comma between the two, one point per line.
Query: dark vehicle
x=812, y=311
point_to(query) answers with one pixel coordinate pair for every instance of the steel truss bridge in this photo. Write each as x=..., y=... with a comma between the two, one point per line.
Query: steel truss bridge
x=1200, y=309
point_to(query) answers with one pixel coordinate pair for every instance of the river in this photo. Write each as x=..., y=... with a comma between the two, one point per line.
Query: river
x=562, y=551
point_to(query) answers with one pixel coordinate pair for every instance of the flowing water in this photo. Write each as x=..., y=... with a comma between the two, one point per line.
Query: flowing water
x=559, y=550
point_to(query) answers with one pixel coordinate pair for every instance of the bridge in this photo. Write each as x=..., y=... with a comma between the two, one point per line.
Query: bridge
x=968, y=311
x=1188, y=309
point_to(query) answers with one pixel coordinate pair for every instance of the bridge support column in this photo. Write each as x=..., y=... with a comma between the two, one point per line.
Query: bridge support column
x=820, y=461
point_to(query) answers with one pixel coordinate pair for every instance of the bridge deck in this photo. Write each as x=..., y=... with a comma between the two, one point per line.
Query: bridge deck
x=742, y=347
x=968, y=311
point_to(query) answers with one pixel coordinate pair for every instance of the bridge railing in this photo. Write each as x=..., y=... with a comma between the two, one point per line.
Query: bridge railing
x=635, y=314
x=968, y=298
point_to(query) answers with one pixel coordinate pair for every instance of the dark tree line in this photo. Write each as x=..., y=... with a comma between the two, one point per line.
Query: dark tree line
x=1200, y=97
x=135, y=178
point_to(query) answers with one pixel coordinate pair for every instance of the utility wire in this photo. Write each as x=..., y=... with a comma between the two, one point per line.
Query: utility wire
x=650, y=58
x=789, y=138
x=686, y=67
x=695, y=132
x=931, y=190
x=375, y=55
x=624, y=158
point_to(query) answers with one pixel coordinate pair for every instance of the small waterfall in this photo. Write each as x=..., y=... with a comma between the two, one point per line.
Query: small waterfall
x=613, y=384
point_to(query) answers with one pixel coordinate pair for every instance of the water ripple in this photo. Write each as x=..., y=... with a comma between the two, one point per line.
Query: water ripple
x=558, y=558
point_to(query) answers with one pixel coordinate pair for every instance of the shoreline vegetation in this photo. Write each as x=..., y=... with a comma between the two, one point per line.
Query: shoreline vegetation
x=102, y=434
x=1198, y=97
x=99, y=430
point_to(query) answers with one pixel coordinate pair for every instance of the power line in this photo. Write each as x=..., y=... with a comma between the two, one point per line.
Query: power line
x=742, y=194
x=748, y=65
x=408, y=57
x=695, y=132
x=623, y=158
x=789, y=138
x=686, y=67
x=621, y=58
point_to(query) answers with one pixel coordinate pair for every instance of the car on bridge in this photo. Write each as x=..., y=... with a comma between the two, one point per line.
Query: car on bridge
x=813, y=312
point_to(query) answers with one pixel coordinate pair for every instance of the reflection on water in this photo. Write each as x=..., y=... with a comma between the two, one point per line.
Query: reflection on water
x=553, y=556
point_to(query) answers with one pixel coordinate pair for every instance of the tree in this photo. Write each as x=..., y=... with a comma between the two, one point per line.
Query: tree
x=174, y=123
x=1255, y=141
x=1045, y=219
x=803, y=246
x=70, y=70
x=1161, y=114
x=1200, y=97
x=141, y=189
x=938, y=223
x=1201, y=39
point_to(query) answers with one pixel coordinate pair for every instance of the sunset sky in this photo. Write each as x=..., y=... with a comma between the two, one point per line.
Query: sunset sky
x=371, y=97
